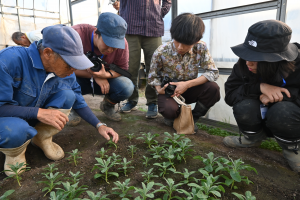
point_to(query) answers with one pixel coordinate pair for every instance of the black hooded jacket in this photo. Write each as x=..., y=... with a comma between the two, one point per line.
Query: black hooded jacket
x=241, y=86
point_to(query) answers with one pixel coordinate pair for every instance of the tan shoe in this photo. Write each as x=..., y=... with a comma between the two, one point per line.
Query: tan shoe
x=13, y=156
x=43, y=139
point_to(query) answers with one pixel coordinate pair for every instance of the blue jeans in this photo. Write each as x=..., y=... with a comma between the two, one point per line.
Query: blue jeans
x=120, y=89
x=15, y=131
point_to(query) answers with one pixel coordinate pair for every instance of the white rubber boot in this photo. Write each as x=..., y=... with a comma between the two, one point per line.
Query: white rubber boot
x=43, y=139
x=13, y=156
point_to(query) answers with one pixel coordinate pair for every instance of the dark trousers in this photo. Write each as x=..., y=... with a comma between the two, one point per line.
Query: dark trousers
x=207, y=94
x=149, y=45
x=282, y=118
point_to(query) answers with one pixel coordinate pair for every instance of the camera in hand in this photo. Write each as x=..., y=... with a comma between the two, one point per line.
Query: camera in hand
x=96, y=60
x=169, y=91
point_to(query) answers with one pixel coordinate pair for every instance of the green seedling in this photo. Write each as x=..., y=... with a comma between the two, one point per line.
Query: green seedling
x=148, y=175
x=195, y=194
x=130, y=136
x=74, y=177
x=233, y=167
x=146, y=192
x=51, y=182
x=146, y=160
x=209, y=187
x=248, y=196
x=156, y=151
x=210, y=162
x=112, y=144
x=186, y=174
x=214, y=131
x=123, y=189
x=171, y=154
x=132, y=149
x=72, y=191
x=149, y=139
x=104, y=166
x=116, y=158
x=74, y=156
x=58, y=195
x=169, y=189
x=50, y=169
x=6, y=194
x=163, y=168
x=102, y=152
x=184, y=146
x=125, y=166
x=17, y=169
x=173, y=139
x=97, y=196
x=270, y=144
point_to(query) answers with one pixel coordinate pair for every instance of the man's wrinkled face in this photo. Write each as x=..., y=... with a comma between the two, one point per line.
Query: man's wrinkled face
x=61, y=68
x=24, y=42
x=103, y=48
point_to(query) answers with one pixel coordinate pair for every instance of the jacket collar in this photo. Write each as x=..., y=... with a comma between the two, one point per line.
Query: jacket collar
x=35, y=56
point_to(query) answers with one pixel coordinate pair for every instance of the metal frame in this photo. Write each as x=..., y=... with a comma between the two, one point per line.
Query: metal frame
x=279, y=5
x=24, y=15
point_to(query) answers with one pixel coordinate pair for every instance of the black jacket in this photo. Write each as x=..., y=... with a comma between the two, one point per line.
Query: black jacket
x=242, y=86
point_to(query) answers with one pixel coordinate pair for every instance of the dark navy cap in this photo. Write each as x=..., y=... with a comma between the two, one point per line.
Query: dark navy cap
x=65, y=41
x=113, y=29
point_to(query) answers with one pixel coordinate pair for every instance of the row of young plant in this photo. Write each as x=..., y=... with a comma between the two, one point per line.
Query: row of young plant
x=175, y=149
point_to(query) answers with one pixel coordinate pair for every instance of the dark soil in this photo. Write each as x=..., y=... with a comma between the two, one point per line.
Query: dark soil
x=275, y=180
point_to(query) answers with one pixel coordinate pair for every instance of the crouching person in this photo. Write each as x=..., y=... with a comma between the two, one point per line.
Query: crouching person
x=179, y=61
x=38, y=89
x=263, y=89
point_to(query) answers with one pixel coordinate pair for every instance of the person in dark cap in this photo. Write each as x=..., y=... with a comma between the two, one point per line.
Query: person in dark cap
x=38, y=90
x=106, y=41
x=263, y=89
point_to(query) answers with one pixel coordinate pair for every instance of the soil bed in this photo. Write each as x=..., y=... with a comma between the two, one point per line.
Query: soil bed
x=275, y=180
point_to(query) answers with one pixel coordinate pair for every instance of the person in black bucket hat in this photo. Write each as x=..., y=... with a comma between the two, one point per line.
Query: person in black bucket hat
x=264, y=89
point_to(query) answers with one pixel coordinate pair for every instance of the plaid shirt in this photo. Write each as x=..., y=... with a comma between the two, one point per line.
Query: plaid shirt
x=167, y=62
x=145, y=17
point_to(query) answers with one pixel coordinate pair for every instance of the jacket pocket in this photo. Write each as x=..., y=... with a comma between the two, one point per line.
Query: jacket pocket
x=25, y=93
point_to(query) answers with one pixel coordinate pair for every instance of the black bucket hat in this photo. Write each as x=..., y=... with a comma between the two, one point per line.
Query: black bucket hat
x=267, y=41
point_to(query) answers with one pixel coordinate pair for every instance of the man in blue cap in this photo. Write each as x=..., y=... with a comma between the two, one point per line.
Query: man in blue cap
x=38, y=90
x=107, y=42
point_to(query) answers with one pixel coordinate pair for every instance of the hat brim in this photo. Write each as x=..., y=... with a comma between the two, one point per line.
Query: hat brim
x=78, y=62
x=250, y=55
x=118, y=43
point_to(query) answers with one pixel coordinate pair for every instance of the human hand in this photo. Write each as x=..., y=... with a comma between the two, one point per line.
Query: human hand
x=100, y=74
x=116, y=5
x=264, y=99
x=54, y=118
x=181, y=87
x=104, y=85
x=274, y=93
x=106, y=131
x=161, y=90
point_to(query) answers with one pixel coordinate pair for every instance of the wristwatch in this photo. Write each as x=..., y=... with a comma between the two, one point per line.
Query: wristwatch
x=100, y=124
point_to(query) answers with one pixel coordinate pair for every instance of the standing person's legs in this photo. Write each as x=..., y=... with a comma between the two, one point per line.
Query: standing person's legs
x=149, y=45
x=283, y=120
x=248, y=117
x=134, y=45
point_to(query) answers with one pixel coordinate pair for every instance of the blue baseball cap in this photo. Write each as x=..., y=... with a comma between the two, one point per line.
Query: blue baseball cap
x=113, y=29
x=65, y=41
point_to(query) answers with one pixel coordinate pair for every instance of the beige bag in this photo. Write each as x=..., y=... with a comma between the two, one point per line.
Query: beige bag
x=184, y=123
